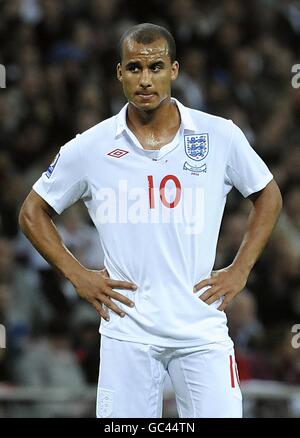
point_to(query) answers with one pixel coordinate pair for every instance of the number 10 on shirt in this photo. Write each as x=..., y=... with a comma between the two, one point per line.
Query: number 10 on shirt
x=162, y=191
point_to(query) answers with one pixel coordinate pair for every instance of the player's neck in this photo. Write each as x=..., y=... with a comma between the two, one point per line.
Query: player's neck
x=154, y=129
x=165, y=117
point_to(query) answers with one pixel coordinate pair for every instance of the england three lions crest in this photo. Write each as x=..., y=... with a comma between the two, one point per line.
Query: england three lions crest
x=196, y=146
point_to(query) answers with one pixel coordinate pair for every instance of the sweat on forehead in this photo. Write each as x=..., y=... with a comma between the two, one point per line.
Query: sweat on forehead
x=159, y=47
x=146, y=35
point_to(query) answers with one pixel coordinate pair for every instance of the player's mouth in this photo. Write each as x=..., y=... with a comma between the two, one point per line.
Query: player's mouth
x=146, y=96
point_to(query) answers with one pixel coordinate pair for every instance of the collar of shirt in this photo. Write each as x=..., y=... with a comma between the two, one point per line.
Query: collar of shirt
x=187, y=123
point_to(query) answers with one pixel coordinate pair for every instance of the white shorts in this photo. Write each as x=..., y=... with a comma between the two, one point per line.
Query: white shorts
x=131, y=380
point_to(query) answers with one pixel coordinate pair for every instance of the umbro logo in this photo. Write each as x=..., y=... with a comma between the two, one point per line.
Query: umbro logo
x=117, y=153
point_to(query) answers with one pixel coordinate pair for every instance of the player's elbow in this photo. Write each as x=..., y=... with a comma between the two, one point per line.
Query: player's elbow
x=277, y=198
x=279, y=203
x=272, y=200
x=25, y=216
x=33, y=212
x=269, y=199
x=30, y=212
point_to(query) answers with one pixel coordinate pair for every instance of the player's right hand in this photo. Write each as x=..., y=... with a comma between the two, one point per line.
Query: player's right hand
x=98, y=289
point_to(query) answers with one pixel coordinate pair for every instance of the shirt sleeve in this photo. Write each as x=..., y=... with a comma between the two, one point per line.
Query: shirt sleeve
x=64, y=182
x=245, y=170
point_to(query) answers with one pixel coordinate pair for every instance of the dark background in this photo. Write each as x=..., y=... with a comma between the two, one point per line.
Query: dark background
x=60, y=57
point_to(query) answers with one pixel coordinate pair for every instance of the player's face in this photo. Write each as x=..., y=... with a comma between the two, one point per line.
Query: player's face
x=146, y=73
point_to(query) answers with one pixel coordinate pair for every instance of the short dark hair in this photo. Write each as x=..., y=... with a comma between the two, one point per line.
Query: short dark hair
x=147, y=33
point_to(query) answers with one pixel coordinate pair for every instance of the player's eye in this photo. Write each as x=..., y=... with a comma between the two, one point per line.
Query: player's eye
x=156, y=67
x=133, y=68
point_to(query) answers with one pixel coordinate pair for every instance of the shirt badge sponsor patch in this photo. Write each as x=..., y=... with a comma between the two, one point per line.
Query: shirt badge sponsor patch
x=52, y=166
x=194, y=169
x=117, y=153
x=196, y=146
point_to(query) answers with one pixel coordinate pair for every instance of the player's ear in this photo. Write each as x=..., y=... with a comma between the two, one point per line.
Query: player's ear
x=174, y=70
x=119, y=72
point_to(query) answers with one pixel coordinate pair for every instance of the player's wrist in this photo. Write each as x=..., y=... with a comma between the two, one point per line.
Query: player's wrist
x=241, y=269
x=74, y=273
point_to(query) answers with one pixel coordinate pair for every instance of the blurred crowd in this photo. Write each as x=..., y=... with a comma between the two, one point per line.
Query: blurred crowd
x=236, y=61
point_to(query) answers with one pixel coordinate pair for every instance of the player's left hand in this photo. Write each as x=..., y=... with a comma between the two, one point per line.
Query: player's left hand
x=225, y=283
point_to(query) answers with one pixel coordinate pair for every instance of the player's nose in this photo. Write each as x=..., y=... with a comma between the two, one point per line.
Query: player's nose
x=145, y=79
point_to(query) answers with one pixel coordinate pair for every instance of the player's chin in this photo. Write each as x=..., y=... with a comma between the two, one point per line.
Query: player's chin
x=146, y=102
x=147, y=106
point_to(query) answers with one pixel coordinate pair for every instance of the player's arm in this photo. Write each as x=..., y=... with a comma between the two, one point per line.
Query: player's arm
x=35, y=220
x=228, y=282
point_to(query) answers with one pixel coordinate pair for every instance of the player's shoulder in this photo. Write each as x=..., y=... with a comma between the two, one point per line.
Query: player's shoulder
x=212, y=123
x=101, y=132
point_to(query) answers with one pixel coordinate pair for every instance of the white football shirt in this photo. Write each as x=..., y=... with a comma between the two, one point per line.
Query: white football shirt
x=158, y=214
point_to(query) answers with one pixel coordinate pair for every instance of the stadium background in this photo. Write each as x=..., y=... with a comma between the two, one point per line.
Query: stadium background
x=60, y=55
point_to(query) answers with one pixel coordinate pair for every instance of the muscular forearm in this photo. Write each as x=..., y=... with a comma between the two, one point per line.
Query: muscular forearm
x=262, y=219
x=42, y=233
x=228, y=282
x=35, y=220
